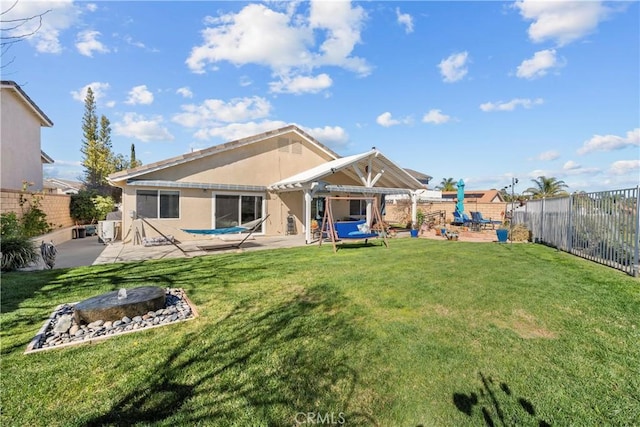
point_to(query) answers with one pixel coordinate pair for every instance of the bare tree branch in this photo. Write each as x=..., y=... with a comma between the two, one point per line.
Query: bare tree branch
x=16, y=24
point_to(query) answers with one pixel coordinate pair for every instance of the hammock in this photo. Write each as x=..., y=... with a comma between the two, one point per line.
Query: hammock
x=249, y=226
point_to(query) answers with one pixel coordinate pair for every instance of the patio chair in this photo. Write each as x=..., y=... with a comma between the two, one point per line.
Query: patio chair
x=461, y=219
x=479, y=221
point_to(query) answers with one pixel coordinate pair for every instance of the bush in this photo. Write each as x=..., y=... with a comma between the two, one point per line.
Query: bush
x=88, y=206
x=33, y=221
x=10, y=225
x=18, y=251
x=520, y=233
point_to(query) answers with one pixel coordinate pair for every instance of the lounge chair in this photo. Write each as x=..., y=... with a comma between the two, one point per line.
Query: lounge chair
x=461, y=219
x=479, y=221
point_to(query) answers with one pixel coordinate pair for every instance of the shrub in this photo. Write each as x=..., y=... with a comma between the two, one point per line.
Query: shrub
x=520, y=233
x=18, y=251
x=88, y=206
x=33, y=221
x=10, y=225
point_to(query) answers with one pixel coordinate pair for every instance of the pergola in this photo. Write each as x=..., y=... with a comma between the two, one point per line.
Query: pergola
x=368, y=173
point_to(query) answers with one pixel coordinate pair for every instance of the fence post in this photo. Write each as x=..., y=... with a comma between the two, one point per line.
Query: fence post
x=569, y=233
x=636, y=256
x=542, y=221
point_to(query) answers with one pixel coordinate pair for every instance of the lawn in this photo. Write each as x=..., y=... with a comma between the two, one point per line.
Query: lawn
x=430, y=333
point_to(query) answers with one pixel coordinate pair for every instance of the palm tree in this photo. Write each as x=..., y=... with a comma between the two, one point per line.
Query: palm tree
x=547, y=187
x=447, y=184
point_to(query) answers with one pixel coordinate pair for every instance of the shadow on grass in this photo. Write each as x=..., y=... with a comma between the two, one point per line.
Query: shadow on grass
x=258, y=365
x=497, y=405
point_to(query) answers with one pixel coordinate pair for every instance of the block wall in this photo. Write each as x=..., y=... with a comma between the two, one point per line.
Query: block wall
x=55, y=206
x=494, y=211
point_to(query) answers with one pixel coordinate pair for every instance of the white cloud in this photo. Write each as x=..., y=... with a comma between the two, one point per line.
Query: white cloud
x=561, y=21
x=99, y=91
x=405, y=20
x=212, y=113
x=454, y=67
x=139, y=95
x=87, y=43
x=510, y=105
x=332, y=136
x=623, y=167
x=58, y=16
x=283, y=41
x=92, y=7
x=435, y=117
x=571, y=165
x=63, y=169
x=185, y=92
x=301, y=84
x=144, y=129
x=538, y=65
x=233, y=131
x=548, y=155
x=385, y=120
x=611, y=142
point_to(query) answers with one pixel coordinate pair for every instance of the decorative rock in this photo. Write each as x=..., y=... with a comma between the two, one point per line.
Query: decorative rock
x=63, y=325
x=64, y=329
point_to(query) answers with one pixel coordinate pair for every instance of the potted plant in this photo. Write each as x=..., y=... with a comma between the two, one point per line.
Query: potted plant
x=502, y=232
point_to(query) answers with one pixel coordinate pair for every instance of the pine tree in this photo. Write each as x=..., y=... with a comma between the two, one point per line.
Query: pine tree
x=106, y=165
x=134, y=161
x=89, y=147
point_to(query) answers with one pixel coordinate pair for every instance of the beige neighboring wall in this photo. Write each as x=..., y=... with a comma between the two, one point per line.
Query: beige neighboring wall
x=20, y=139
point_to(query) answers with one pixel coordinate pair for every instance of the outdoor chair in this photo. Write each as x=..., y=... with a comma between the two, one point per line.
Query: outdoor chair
x=460, y=219
x=478, y=221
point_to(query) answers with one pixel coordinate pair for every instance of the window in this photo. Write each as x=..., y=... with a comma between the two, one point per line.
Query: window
x=357, y=208
x=233, y=210
x=158, y=204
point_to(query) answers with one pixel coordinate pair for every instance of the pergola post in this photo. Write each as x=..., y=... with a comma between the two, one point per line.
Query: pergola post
x=414, y=207
x=307, y=215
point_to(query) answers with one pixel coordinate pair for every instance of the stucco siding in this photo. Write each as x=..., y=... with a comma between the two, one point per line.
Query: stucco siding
x=20, y=139
x=256, y=164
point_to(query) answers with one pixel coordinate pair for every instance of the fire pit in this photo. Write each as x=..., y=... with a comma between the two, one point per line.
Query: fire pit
x=118, y=304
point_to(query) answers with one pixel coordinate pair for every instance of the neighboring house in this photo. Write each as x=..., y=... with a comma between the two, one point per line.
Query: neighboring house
x=62, y=186
x=479, y=196
x=284, y=173
x=22, y=120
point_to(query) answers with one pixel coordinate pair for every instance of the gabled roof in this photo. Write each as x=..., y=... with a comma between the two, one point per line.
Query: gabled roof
x=419, y=175
x=383, y=173
x=178, y=160
x=45, y=158
x=11, y=85
x=480, y=196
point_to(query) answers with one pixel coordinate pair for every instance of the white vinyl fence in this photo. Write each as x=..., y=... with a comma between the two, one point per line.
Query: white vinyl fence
x=602, y=226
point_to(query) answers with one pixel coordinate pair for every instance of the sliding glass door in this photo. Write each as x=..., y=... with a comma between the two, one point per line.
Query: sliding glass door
x=233, y=210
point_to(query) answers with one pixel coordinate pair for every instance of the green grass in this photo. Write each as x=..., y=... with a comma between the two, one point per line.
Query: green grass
x=423, y=333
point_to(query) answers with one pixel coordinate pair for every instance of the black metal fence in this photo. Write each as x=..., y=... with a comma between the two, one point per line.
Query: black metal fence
x=601, y=226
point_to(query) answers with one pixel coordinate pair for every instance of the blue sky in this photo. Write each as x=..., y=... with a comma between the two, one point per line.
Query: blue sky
x=482, y=91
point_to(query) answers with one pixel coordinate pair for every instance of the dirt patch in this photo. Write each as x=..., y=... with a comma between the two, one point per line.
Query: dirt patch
x=525, y=325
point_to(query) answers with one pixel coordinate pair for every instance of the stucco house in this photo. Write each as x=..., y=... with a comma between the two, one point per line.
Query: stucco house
x=21, y=153
x=284, y=173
